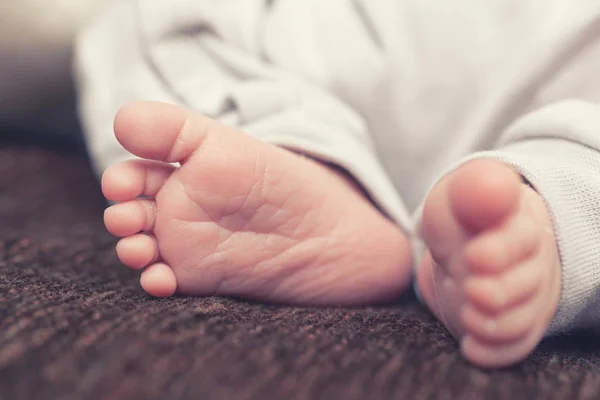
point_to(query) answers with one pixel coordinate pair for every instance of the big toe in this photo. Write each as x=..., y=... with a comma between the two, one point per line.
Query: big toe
x=483, y=193
x=159, y=131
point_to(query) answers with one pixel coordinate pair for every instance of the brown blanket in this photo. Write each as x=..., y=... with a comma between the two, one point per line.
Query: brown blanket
x=74, y=323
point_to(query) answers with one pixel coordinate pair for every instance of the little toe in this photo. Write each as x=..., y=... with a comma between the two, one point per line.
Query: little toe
x=129, y=179
x=158, y=280
x=138, y=251
x=492, y=355
x=129, y=218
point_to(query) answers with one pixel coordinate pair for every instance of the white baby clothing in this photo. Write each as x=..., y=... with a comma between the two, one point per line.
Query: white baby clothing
x=397, y=92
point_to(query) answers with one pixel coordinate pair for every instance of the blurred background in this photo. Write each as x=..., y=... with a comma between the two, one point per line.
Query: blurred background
x=37, y=100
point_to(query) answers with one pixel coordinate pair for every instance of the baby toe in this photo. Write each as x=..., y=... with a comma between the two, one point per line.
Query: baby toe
x=126, y=219
x=495, y=293
x=508, y=326
x=500, y=249
x=494, y=355
x=137, y=251
x=129, y=179
x=158, y=280
x=483, y=193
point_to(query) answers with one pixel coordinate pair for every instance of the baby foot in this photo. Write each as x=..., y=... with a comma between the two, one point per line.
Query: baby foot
x=492, y=270
x=240, y=217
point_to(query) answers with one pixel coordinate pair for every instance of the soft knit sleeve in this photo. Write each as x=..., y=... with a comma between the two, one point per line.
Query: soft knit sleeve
x=268, y=68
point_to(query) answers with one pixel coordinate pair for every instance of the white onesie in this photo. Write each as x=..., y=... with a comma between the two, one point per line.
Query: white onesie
x=397, y=92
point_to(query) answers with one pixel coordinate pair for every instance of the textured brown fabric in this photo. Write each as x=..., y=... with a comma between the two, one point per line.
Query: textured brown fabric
x=74, y=323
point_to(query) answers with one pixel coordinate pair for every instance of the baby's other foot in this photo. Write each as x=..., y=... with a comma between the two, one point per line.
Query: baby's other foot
x=240, y=217
x=492, y=270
